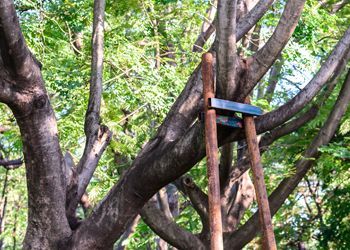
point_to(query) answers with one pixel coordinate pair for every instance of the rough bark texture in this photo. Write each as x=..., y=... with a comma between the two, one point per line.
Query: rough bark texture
x=177, y=146
x=226, y=53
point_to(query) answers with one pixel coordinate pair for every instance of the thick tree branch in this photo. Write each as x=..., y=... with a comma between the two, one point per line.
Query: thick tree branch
x=176, y=148
x=265, y=57
x=23, y=87
x=248, y=231
x=167, y=229
x=226, y=49
x=20, y=59
x=226, y=159
x=288, y=110
x=249, y=20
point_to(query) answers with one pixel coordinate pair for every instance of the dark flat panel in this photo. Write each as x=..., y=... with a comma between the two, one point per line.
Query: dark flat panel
x=232, y=122
x=235, y=107
x=229, y=121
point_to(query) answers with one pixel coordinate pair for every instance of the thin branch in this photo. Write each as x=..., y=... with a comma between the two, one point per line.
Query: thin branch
x=208, y=28
x=243, y=25
x=197, y=197
x=128, y=232
x=11, y=164
x=203, y=37
x=339, y=5
x=92, y=117
x=273, y=79
x=249, y=20
x=164, y=204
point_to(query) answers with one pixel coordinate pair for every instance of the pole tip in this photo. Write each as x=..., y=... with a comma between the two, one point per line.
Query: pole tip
x=207, y=57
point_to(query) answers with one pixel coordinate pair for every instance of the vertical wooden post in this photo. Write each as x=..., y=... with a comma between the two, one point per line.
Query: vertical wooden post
x=211, y=143
x=269, y=242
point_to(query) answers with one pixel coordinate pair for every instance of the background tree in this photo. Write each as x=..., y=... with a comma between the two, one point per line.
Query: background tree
x=293, y=64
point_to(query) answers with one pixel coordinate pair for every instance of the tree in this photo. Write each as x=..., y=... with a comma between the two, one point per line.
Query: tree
x=56, y=186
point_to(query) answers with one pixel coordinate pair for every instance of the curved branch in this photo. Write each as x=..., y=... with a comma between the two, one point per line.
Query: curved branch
x=167, y=229
x=248, y=231
x=20, y=58
x=288, y=110
x=273, y=79
x=197, y=197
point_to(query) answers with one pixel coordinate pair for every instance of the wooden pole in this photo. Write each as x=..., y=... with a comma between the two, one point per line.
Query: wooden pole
x=211, y=143
x=269, y=242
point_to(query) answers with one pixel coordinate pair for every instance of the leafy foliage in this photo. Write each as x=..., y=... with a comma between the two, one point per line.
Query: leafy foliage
x=137, y=96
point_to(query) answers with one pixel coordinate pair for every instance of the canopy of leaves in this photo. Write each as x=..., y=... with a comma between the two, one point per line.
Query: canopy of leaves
x=137, y=95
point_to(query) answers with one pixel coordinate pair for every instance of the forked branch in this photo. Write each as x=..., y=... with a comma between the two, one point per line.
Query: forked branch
x=97, y=136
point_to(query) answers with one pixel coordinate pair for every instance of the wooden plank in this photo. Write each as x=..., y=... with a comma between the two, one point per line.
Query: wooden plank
x=235, y=107
x=269, y=241
x=211, y=143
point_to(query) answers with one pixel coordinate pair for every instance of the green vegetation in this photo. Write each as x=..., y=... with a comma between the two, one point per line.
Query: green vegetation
x=141, y=82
